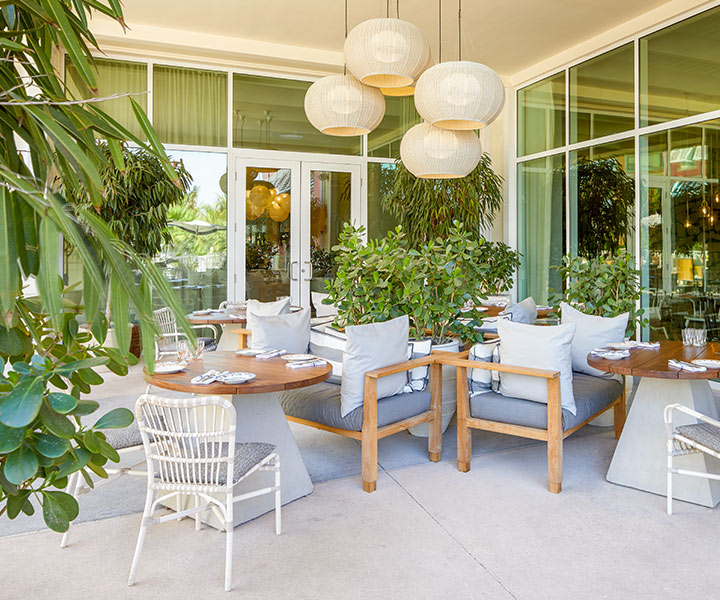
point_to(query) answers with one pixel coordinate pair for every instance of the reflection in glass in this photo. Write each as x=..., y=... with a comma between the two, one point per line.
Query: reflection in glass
x=330, y=208
x=400, y=115
x=269, y=113
x=541, y=115
x=541, y=231
x=602, y=95
x=195, y=262
x=680, y=70
x=679, y=237
x=267, y=233
x=380, y=220
x=602, y=199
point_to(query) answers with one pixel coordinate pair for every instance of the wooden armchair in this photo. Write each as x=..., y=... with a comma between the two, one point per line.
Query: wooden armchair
x=558, y=425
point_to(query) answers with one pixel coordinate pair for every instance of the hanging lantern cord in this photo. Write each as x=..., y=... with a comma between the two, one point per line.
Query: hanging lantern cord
x=439, y=31
x=459, y=29
x=346, y=27
x=387, y=8
x=397, y=9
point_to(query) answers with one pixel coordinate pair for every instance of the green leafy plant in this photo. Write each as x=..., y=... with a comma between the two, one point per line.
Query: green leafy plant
x=606, y=287
x=259, y=254
x=42, y=438
x=439, y=285
x=427, y=208
x=322, y=261
x=56, y=187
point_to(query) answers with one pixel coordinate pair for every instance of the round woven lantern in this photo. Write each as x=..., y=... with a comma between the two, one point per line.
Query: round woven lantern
x=341, y=105
x=386, y=53
x=432, y=153
x=459, y=95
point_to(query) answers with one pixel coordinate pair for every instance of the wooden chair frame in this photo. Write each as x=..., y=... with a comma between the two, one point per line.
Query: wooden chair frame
x=553, y=435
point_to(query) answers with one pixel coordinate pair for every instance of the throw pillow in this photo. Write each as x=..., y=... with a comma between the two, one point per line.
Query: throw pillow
x=279, y=307
x=522, y=312
x=371, y=347
x=592, y=331
x=322, y=310
x=289, y=332
x=480, y=381
x=418, y=378
x=538, y=347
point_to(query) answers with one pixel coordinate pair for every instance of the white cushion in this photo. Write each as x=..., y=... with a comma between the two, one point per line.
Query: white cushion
x=322, y=310
x=289, y=332
x=592, y=331
x=522, y=312
x=329, y=343
x=539, y=347
x=480, y=381
x=279, y=307
x=418, y=378
x=370, y=347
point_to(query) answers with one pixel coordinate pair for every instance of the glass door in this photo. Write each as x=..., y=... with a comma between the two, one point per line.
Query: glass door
x=331, y=198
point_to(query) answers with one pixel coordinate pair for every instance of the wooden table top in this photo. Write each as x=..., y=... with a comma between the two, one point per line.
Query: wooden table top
x=217, y=319
x=654, y=362
x=271, y=375
x=494, y=311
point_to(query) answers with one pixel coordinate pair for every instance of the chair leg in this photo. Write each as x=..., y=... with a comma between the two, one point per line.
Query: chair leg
x=619, y=413
x=278, y=498
x=147, y=515
x=229, y=528
x=669, y=490
x=435, y=425
x=198, y=522
x=74, y=484
x=369, y=460
x=464, y=433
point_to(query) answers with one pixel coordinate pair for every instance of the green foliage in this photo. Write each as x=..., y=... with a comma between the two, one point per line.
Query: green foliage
x=322, y=261
x=42, y=438
x=186, y=243
x=606, y=200
x=259, y=254
x=137, y=196
x=51, y=359
x=427, y=208
x=604, y=287
x=438, y=285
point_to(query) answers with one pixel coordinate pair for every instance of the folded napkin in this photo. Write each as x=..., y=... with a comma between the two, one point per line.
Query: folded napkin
x=304, y=364
x=686, y=366
x=208, y=377
x=609, y=353
x=271, y=354
x=647, y=345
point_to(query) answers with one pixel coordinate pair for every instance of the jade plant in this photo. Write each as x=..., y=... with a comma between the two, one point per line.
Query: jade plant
x=439, y=285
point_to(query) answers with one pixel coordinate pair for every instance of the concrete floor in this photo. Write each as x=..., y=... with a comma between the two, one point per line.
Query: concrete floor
x=428, y=532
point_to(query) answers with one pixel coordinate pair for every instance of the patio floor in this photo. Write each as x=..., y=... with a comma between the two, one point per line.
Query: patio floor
x=428, y=532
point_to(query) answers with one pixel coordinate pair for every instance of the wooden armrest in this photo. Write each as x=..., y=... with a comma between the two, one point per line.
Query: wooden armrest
x=499, y=367
x=400, y=367
x=243, y=335
x=241, y=331
x=463, y=354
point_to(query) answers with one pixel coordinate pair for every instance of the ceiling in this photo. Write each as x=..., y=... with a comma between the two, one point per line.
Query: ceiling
x=508, y=35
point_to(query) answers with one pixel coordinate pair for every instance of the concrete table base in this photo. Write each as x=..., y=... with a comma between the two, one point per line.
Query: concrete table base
x=228, y=339
x=260, y=418
x=640, y=458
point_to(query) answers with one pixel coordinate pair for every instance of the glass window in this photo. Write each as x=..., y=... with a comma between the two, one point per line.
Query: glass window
x=602, y=199
x=380, y=220
x=190, y=106
x=269, y=113
x=679, y=233
x=195, y=261
x=400, y=115
x=113, y=77
x=541, y=115
x=541, y=226
x=680, y=70
x=602, y=95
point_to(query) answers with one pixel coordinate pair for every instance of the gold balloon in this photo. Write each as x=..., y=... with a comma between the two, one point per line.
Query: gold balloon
x=260, y=196
x=257, y=210
x=284, y=200
x=277, y=212
x=249, y=214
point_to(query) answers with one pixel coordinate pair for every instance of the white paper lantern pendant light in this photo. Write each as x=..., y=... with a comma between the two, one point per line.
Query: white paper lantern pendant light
x=432, y=153
x=386, y=53
x=341, y=105
x=459, y=94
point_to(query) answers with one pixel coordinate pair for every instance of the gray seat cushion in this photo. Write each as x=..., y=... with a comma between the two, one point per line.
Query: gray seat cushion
x=702, y=434
x=127, y=437
x=321, y=404
x=592, y=394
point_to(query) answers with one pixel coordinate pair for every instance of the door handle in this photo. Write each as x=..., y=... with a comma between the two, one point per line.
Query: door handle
x=290, y=270
x=307, y=262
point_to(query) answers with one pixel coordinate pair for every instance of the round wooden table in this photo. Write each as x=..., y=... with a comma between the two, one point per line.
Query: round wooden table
x=223, y=324
x=260, y=418
x=641, y=455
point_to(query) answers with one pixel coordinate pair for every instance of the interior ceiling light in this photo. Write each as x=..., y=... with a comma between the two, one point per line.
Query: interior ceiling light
x=407, y=90
x=459, y=94
x=341, y=105
x=386, y=53
x=432, y=153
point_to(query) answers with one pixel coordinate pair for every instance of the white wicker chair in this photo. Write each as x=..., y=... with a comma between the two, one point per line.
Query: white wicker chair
x=167, y=343
x=191, y=451
x=689, y=439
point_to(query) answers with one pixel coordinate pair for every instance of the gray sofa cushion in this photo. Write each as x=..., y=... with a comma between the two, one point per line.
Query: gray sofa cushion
x=592, y=394
x=321, y=404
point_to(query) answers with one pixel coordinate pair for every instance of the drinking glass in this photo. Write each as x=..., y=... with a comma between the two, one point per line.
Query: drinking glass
x=700, y=337
x=687, y=338
x=183, y=351
x=197, y=350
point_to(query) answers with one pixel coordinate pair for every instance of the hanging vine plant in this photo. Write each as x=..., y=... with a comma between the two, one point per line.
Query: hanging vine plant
x=427, y=208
